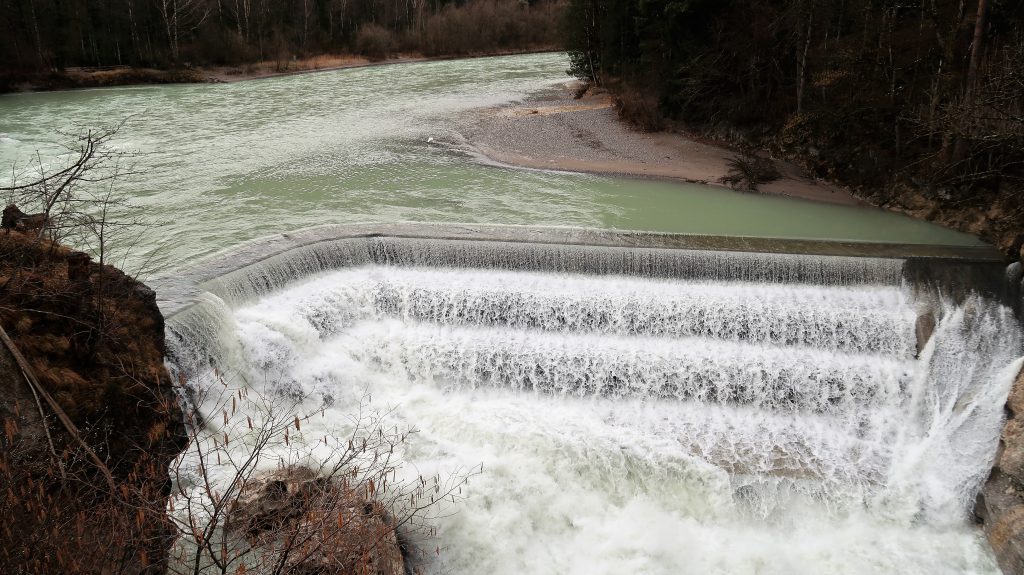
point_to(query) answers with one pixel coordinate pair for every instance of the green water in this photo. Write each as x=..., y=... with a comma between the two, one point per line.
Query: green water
x=222, y=163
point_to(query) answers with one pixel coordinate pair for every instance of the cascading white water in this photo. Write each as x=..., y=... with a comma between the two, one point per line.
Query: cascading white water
x=703, y=417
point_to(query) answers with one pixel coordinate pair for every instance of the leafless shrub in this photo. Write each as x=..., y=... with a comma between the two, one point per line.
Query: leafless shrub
x=487, y=26
x=339, y=483
x=747, y=171
x=97, y=504
x=640, y=108
x=75, y=191
x=63, y=516
x=375, y=42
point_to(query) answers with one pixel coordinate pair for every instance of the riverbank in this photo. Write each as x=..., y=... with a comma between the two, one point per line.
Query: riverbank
x=83, y=78
x=91, y=419
x=556, y=131
x=328, y=62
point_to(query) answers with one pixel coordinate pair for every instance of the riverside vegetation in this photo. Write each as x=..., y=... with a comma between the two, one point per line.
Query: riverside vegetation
x=139, y=41
x=83, y=480
x=91, y=420
x=917, y=106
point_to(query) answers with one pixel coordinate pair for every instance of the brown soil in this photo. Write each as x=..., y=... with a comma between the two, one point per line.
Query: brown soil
x=93, y=338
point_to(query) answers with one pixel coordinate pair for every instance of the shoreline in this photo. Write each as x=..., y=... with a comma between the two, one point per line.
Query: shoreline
x=554, y=131
x=224, y=74
x=128, y=76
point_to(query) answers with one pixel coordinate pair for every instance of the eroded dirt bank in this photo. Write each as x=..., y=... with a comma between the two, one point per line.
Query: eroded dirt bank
x=91, y=420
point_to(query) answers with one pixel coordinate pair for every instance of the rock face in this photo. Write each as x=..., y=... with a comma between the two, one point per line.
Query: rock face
x=924, y=327
x=341, y=529
x=1001, y=502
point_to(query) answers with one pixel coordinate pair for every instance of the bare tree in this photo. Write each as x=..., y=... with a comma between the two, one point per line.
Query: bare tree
x=81, y=204
x=65, y=195
x=181, y=17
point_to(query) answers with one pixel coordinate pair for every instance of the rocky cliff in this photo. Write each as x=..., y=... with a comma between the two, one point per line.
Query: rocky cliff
x=91, y=421
x=1000, y=505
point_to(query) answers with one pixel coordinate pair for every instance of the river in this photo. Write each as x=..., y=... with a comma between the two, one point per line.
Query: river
x=634, y=410
x=218, y=164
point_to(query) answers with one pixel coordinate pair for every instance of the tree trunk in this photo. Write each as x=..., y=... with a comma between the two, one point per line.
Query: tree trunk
x=593, y=42
x=35, y=30
x=802, y=66
x=977, y=47
x=135, y=32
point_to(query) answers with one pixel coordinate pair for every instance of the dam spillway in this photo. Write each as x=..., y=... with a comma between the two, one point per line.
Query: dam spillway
x=641, y=403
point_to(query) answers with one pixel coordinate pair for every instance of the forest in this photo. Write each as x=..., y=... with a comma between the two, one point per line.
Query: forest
x=55, y=34
x=883, y=95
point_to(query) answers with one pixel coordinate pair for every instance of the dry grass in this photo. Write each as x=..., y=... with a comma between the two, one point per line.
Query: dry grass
x=276, y=67
x=81, y=338
x=97, y=348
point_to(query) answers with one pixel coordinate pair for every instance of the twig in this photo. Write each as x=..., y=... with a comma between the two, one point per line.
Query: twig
x=33, y=383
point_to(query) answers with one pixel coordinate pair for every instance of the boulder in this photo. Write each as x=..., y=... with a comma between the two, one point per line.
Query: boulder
x=10, y=217
x=923, y=328
x=342, y=529
x=1011, y=460
x=1001, y=501
x=15, y=219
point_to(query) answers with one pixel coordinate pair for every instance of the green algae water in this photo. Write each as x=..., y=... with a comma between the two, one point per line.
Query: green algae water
x=222, y=163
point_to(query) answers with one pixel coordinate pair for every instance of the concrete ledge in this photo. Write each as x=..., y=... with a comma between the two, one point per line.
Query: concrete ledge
x=179, y=292
x=254, y=251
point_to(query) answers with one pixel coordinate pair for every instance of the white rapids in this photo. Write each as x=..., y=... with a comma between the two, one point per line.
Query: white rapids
x=659, y=425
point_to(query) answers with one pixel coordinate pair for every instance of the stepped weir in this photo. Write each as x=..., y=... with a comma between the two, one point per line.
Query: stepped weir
x=731, y=389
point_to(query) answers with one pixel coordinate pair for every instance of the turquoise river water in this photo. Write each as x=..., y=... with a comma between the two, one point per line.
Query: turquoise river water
x=221, y=163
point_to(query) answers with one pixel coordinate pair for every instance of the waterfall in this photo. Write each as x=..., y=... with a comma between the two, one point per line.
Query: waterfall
x=639, y=409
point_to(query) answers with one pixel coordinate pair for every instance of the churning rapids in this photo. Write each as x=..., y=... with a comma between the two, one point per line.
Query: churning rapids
x=637, y=410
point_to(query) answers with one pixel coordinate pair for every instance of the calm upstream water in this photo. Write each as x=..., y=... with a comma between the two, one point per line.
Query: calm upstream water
x=220, y=164
x=710, y=414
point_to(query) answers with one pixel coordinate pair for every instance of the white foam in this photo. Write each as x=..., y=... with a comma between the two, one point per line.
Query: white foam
x=630, y=425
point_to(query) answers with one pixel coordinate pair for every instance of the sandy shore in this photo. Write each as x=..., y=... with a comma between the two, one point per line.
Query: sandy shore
x=554, y=131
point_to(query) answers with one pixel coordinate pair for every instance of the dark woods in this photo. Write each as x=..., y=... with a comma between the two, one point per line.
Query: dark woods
x=877, y=94
x=55, y=34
